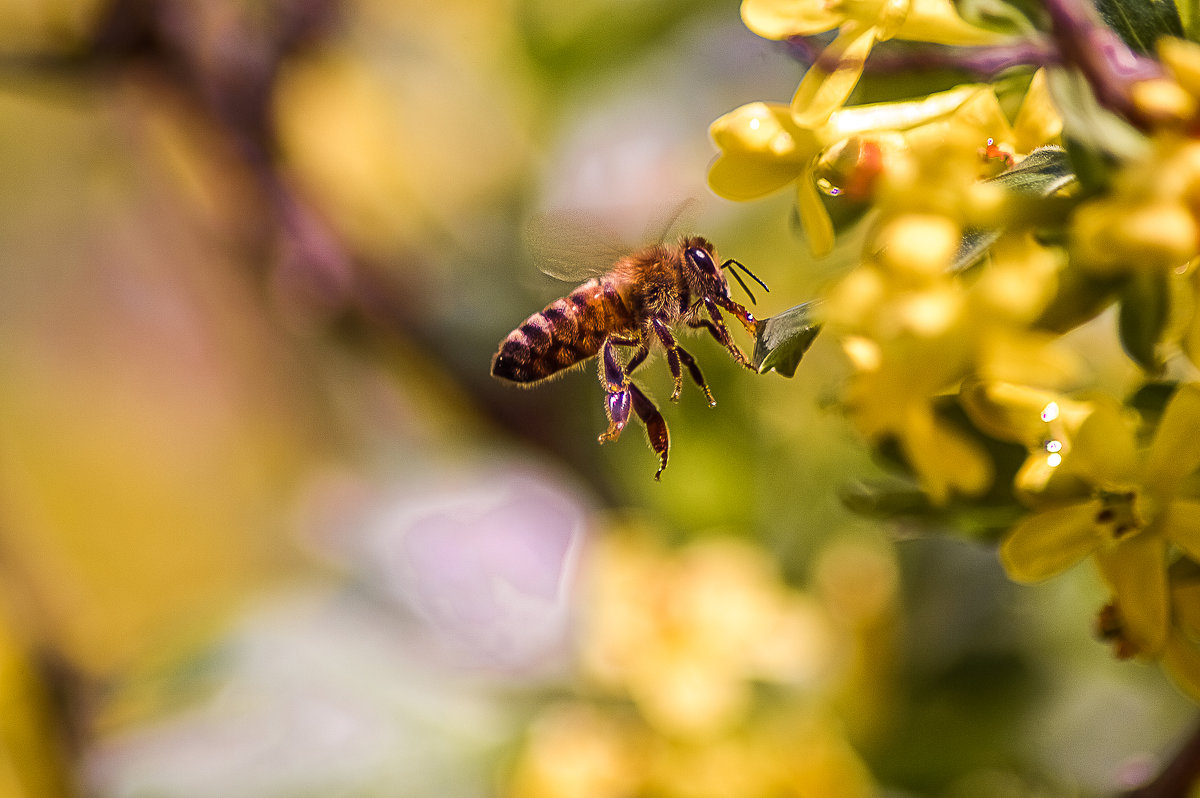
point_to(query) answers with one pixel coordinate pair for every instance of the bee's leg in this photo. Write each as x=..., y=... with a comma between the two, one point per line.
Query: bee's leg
x=740, y=313
x=636, y=359
x=668, y=340
x=721, y=333
x=697, y=377
x=656, y=426
x=617, y=398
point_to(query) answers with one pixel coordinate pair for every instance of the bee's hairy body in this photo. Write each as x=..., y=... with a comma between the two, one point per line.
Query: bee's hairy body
x=634, y=304
x=568, y=331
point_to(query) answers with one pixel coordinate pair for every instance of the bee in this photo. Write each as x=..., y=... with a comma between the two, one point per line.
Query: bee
x=635, y=305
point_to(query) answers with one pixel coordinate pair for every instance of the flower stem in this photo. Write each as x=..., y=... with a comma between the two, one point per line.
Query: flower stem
x=1109, y=65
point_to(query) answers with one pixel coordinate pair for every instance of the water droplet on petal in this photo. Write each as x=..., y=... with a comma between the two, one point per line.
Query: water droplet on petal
x=828, y=188
x=1050, y=412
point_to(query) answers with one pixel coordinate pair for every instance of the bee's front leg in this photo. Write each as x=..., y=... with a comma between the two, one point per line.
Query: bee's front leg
x=656, y=426
x=697, y=377
x=721, y=332
x=740, y=313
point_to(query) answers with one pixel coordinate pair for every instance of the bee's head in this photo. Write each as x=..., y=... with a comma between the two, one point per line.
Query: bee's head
x=706, y=277
x=703, y=272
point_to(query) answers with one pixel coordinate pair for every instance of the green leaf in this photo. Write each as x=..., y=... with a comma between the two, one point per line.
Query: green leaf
x=1043, y=172
x=1141, y=22
x=1006, y=16
x=1144, y=305
x=784, y=338
x=1189, y=15
x=1088, y=124
x=1079, y=297
x=901, y=502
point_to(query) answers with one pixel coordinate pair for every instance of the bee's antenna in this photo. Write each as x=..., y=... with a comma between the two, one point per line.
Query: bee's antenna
x=745, y=288
x=753, y=276
x=736, y=276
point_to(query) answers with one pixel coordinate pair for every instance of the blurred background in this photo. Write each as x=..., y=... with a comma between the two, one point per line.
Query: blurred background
x=269, y=528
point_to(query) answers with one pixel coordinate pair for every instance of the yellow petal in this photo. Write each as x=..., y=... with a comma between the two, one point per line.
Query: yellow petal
x=740, y=178
x=1183, y=59
x=936, y=21
x=944, y=459
x=1181, y=660
x=762, y=151
x=1009, y=412
x=1181, y=525
x=1037, y=121
x=1049, y=542
x=1175, y=452
x=874, y=117
x=1103, y=450
x=779, y=19
x=822, y=92
x=890, y=17
x=766, y=130
x=1136, y=569
x=813, y=215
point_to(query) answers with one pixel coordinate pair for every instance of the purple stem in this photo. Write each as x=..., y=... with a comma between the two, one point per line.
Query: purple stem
x=984, y=62
x=1104, y=59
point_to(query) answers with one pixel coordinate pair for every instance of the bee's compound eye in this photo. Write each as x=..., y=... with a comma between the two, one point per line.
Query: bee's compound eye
x=702, y=259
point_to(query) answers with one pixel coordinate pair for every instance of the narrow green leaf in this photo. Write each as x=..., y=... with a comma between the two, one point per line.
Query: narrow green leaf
x=784, y=338
x=1043, y=172
x=899, y=502
x=1143, y=316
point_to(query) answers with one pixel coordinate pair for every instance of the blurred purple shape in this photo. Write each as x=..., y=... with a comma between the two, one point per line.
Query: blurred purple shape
x=487, y=565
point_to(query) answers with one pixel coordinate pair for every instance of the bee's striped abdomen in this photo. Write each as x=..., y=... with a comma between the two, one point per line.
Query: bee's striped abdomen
x=566, y=332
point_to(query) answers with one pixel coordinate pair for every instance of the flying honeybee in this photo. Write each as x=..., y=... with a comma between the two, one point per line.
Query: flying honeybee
x=634, y=304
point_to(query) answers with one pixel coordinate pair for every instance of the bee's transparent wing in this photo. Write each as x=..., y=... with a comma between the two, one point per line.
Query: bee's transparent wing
x=681, y=218
x=571, y=245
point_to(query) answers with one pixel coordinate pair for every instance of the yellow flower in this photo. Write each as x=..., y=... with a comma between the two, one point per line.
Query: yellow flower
x=1181, y=655
x=763, y=147
x=907, y=333
x=860, y=23
x=1095, y=494
x=575, y=749
x=684, y=635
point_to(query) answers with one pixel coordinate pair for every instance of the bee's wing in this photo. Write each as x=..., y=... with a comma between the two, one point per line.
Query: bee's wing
x=680, y=217
x=571, y=245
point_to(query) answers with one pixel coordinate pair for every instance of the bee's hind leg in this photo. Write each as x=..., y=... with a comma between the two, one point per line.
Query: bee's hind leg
x=656, y=426
x=617, y=396
x=622, y=396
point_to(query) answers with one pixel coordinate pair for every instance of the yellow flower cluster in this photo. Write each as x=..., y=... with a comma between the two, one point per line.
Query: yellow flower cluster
x=676, y=651
x=822, y=146
x=1096, y=488
x=1095, y=492
x=913, y=329
x=923, y=332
